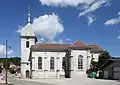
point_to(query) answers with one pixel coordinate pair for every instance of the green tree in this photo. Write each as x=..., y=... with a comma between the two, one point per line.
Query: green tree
x=94, y=66
x=15, y=60
x=103, y=58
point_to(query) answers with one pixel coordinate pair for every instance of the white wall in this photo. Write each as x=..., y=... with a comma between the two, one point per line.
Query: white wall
x=46, y=64
x=25, y=52
x=37, y=73
x=95, y=56
x=74, y=62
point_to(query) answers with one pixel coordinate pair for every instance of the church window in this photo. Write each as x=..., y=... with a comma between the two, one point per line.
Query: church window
x=27, y=44
x=80, y=62
x=63, y=63
x=52, y=63
x=39, y=63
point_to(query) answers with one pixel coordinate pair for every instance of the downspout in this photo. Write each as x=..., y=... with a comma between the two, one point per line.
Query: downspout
x=30, y=64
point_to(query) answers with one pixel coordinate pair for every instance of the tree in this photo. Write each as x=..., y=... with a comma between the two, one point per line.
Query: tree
x=15, y=60
x=103, y=58
x=94, y=66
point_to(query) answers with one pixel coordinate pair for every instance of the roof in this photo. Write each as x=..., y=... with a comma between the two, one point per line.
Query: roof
x=52, y=47
x=109, y=62
x=27, y=30
x=95, y=49
x=62, y=47
x=78, y=44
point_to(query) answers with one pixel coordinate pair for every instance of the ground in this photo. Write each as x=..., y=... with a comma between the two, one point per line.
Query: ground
x=77, y=80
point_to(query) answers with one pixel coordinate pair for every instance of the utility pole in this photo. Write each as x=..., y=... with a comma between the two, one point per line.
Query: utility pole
x=6, y=63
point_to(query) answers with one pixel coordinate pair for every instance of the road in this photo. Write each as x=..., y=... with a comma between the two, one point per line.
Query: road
x=16, y=81
x=75, y=81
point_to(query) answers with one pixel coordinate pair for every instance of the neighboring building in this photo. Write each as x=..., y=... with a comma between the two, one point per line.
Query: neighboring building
x=1, y=65
x=14, y=67
x=111, y=69
x=48, y=60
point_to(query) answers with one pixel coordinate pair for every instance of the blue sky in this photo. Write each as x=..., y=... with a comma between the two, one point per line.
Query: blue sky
x=75, y=27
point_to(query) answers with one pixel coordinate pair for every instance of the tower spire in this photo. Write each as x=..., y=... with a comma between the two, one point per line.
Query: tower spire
x=29, y=15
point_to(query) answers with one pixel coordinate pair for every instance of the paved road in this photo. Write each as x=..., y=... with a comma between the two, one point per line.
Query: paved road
x=16, y=81
x=22, y=82
x=74, y=81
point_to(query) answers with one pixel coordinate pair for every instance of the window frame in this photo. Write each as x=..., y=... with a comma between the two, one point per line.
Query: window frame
x=40, y=62
x=52, y=63
x=80, y=62
x=27, y=44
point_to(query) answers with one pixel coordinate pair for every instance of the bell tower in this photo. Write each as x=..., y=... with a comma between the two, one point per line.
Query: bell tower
x=27, y=38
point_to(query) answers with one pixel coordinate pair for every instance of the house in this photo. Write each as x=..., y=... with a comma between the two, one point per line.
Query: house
x=111, y=69
x=1, y=64
x=40, y=60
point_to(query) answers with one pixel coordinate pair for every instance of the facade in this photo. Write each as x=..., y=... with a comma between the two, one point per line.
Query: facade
x=111, y=69
x=50, y=60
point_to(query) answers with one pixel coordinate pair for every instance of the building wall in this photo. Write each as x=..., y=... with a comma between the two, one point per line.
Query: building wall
x=25, y=52
x=95, y=56
x=74, y=62
x=46, y=72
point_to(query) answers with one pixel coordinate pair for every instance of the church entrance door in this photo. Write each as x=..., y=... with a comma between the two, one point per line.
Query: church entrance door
x=27, y=74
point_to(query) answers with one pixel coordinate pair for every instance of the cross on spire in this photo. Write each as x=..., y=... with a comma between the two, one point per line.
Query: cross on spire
x=29, y=15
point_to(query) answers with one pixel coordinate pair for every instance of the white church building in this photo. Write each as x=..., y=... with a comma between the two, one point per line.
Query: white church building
x=40, y=60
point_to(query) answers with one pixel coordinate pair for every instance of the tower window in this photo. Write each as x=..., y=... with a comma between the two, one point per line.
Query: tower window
x=27, y=44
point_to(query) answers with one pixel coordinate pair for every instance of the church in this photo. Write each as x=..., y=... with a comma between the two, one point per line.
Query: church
x=40, y=60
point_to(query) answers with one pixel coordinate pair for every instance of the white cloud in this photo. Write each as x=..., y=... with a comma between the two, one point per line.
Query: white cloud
x=65, y=3
x=93, y=7
x=91, y=19
x=19, y=29
x=84, y=6
x=119, y=13
x=118, y=37
x=3, y=50
x=48, y=26
x=68, y=39
x=113, y=21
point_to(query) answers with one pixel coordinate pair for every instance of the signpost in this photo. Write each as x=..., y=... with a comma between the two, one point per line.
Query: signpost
x=6, y=63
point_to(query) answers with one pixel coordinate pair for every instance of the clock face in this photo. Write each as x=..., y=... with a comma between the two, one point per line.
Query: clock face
x=27, y=34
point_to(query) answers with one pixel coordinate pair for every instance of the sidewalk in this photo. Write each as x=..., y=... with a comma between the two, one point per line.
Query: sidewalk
x=48, y=81
x=2, y=81
x=75, y=81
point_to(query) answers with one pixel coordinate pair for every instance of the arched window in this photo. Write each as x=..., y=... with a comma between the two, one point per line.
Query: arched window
x=63, y=63
x=39, y=63
x=80, y=62
x=52, y=63
x=27, y=44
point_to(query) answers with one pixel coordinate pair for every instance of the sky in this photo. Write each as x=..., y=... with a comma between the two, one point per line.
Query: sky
x=62, y=21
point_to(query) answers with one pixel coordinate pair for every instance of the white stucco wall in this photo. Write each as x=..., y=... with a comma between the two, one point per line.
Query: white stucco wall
x=95, y=56
x=74, y=62
x=25, y=52
x=38, y=73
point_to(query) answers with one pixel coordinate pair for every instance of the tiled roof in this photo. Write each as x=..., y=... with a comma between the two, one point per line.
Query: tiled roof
x=62, y=47
x=95, y=49
x=78, y=44
x=39, y=46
